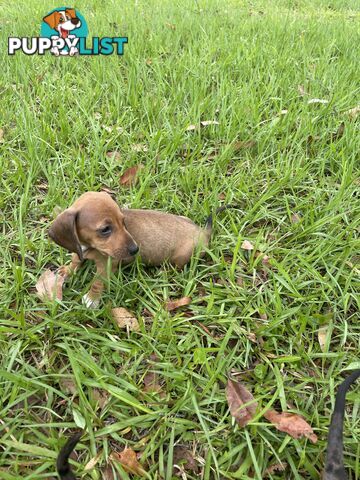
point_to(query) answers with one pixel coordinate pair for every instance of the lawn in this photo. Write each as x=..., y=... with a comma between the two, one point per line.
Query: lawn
x=255, y=315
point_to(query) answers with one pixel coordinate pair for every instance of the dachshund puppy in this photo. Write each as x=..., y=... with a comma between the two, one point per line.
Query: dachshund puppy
x=96, y=228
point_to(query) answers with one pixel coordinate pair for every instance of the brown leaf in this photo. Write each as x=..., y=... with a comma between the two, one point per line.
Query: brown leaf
x=353, y=112
x=240, y=145
x=151, y=383
x=276, y=467
x=100, y=396
x=114, y=155
x=125, y=319
x=68, y=385
x=107, y=473
x=92, y=462
x=129, y=176
x=301, y=90
x=184, y=459
x=339, y=132
x=222, y=196
x=128, y=460
x=295, y=218
x=322, y=335
x=49, y=286
x=237, y=396
x=174, y=304
x=139, y=147
x=292, y=424
x=246, y=245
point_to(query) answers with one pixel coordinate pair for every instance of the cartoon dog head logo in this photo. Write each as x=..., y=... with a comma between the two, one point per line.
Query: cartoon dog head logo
x=67, y=25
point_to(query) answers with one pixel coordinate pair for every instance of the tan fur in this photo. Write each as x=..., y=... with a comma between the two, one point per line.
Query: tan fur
x=160, y=236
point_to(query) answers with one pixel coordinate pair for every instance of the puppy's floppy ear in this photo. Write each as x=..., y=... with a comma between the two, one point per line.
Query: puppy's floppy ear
x=71, y=12
x=52, y=19
x=63, y=232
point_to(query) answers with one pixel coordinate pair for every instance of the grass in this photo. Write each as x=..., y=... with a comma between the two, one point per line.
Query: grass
x=239, y=63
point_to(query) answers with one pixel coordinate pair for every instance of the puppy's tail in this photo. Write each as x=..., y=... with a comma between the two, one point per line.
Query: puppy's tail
x=334, y=465
x=62, y=463
x=209, y=220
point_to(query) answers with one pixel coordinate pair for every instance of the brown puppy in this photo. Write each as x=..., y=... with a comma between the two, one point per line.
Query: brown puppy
x=96, y=228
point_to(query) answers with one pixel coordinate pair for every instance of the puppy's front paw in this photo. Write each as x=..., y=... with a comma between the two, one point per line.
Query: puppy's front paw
x=90, y=302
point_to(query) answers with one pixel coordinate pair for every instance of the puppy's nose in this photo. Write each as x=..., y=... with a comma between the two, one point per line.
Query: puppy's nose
x=75, y=21
x=133, y=250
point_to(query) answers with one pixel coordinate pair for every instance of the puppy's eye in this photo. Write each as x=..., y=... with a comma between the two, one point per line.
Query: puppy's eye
x=61, y=20
x=105, y=231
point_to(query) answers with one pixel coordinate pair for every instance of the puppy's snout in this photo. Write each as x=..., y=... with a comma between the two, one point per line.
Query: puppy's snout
x=75, y=21
x=133, y=249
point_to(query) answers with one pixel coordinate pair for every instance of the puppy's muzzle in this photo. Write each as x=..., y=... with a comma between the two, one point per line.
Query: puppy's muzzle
x=133, y=249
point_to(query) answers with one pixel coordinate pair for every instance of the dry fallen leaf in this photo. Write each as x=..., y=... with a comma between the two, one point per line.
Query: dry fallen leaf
x=339, y=132
x=276, y=467
x=292, y=424
x=139, y=147
x=174, y=304
x=237, y=396
x=125, y=319
x=295, y=218
x=92, y=462
x=184, y=461
x=107, y=473
x=317, y=101
x=68, y=385
x=129, y=176
x=100, y=396
x=243, y=144
x=246, y=245
x=301, y=90
x=322, y=334
x=353, y=112
x=114, y=155
x=49, y=286
x=205, y=123
x=128, y=460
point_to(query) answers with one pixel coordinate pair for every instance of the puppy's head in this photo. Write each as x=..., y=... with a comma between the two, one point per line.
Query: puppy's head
x=63, y=21
x=94, y=221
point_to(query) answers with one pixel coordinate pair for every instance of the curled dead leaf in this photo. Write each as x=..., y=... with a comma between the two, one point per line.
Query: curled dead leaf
x=246, y=245
x=292, y=424
x=241, y=402
x=114, y=155
x=206, y=123
x=68, y=385
x=353, y=112
x=139, y=147
x=243, y=144
x=125, y=319
x=49, y=286
x=183, y=460
x=295, y=218
x=301, y=90
x=174, y=304
x=128, y=460
x=276, y=467
x=129, y=176
x=322, y=335
x=92, y=462
x=339, y=132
